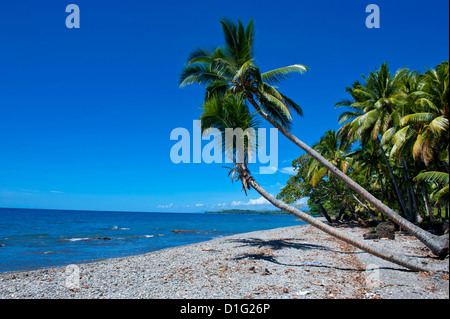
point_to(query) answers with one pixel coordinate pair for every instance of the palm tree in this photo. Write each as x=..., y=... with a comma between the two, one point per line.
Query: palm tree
x=378, y=102
x=423, y=130
x=429, y=123
x=334, y=150
x=370, y=162
x=232, y=70
x=231, y=112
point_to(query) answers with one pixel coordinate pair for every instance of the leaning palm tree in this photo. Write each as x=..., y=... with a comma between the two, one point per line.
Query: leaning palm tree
x=232, y=69
x=229, y=111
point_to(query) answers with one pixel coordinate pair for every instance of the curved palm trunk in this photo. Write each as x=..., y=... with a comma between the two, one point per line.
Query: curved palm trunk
x=437, y=244
x=379, y=252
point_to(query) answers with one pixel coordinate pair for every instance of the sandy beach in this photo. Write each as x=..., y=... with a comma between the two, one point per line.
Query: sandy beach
x=297, y=262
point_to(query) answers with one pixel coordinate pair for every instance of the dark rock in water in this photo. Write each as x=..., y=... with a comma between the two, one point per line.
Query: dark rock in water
x=184, y=231
x=103, y=238
x=383, y=230
x=1, y=245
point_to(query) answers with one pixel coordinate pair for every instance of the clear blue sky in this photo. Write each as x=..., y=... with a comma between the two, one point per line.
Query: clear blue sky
x=86, y=114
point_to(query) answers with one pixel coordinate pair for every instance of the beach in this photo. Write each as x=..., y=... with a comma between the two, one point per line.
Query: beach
x=298, y=262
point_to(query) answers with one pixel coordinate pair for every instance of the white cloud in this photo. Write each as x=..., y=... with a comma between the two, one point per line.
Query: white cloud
x=199, y=205
x=288, y=170
x=166, y=206
x=57, y=192
x=258, y=201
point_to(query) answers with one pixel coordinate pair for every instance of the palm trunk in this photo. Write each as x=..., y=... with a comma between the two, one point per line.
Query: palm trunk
x=325, y=214
x=394, y=181
x=418, y=218
x=408, y=193
x=437, y=244
x=382, y=194
x=413, y=205
x=377, y=251
x=427, y=203
x=439, y=209
x=340, y=215
x=382, y=186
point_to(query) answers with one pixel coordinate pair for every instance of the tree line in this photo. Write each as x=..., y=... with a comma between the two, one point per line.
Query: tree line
x=393, y=141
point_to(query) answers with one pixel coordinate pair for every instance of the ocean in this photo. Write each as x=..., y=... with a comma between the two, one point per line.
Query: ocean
x=36, y=238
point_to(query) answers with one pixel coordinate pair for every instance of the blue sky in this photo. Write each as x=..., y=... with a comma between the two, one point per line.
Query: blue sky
x=86, y=114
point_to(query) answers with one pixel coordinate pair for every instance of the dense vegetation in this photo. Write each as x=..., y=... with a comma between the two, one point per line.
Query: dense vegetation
x=393, y=141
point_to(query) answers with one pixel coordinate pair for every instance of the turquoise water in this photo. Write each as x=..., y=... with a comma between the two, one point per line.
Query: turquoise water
x=34, y=238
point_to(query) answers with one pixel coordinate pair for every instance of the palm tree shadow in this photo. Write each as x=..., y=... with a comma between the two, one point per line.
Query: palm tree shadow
x=276, y=244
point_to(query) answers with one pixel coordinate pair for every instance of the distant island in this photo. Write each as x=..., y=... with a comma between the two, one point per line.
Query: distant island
x=248, y=211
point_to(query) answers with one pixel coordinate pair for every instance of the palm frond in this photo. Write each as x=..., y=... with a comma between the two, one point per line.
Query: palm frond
x=442, y=194
x=199, y=74
x=439, y=125
x=434, y=177
x=417, y=118
x=275, y=110
x=278, y=75
x=292, y=105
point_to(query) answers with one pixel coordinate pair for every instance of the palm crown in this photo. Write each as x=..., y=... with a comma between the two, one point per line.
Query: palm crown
x=231, y=69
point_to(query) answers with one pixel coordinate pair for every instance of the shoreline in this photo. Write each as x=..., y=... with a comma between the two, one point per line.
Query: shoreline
x=297, y=262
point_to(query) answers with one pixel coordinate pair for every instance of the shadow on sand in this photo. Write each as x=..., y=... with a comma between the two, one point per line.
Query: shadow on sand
x=277, y=244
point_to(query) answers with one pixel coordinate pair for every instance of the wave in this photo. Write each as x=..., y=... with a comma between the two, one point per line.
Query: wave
x=88, y=239
x=150, y=236
x=117, y=228
x=77, y=239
